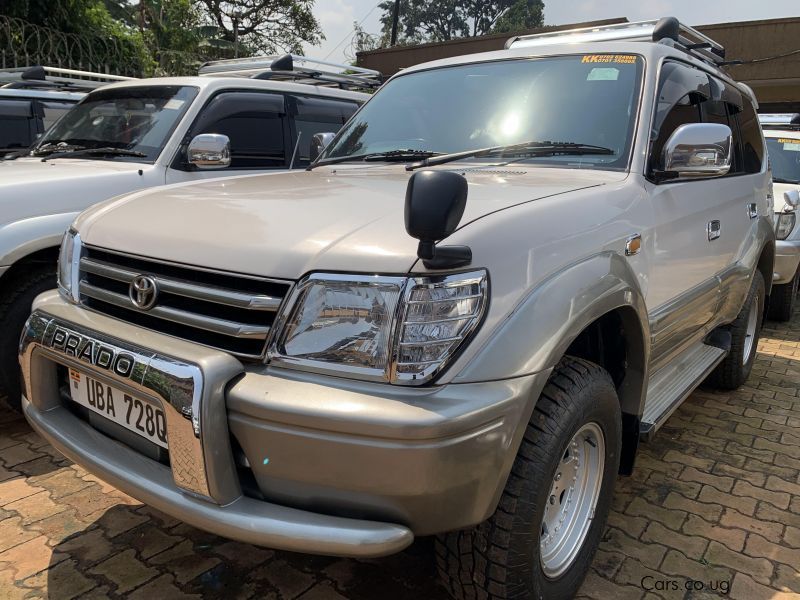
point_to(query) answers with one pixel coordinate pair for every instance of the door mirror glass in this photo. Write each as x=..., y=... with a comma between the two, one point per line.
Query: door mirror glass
x=318, y=143
x=699, y=150
x=209, y=151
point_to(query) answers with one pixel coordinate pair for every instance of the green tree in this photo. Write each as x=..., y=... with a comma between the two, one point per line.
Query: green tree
x=268, y=26
x=442, y=20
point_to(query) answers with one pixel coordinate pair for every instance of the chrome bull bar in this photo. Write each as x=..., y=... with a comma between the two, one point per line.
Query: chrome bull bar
x=177, y=386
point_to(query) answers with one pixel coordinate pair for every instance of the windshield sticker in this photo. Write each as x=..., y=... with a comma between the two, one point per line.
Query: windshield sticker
x=617, y=59
x=174, y=104
x=603, y=74
x=790, y=144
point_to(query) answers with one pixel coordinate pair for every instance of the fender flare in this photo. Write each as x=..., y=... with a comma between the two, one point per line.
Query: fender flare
x=540, y=329
x=22, y=238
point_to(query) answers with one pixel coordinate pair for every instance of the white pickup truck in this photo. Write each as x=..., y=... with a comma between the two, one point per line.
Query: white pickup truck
x=145, y=133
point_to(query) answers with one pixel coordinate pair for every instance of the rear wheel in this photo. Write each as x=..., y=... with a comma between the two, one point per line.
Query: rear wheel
x=541, y=539
x=16, y=297
x=782, y=299
x=734, y=370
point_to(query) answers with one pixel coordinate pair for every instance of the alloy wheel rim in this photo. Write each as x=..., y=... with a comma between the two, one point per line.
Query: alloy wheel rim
x=750, y=332
x=570, y=505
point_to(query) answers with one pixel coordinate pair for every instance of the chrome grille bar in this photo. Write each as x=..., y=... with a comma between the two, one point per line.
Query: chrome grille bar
x=185, y=288
x=221, y=326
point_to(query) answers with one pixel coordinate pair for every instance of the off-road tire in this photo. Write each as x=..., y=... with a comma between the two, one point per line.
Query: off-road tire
x=499, y=558
x=733, y=371
x=16, y=297
x=782, y=299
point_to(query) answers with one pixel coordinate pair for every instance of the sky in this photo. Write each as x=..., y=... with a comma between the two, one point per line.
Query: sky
x=336, y=16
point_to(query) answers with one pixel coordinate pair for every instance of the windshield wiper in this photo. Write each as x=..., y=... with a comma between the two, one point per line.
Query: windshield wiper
x=784, y=180
x=399, y=155
x=105, y=151
x=53, y=147
x=533, y=148
x=390, y=155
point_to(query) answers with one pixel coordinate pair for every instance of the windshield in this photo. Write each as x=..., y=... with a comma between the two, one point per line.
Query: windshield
x=784, y=155
x=583, y=99
x=139, y=120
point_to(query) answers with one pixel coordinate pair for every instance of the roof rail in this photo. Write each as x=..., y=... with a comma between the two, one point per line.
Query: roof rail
x=298, y=69
x=780, y=121
x=56, y=78
x=666, y=30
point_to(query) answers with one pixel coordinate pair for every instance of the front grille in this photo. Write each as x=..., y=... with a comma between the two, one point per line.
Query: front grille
x=226, y=311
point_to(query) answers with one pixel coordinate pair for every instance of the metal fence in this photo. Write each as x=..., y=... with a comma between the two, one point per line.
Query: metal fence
x=23, y=44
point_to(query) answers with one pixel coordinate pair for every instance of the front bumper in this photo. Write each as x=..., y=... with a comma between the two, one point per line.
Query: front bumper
x=787, y=260
x=340, y=467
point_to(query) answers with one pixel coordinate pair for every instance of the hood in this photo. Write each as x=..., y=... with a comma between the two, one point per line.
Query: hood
x=30, y=187
x=286, y=225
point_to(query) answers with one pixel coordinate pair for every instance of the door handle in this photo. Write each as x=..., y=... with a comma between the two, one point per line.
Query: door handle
x=714, y=230
x=752, y=210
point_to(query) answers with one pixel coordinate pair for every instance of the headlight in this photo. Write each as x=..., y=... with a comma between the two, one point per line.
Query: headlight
x=785, y=225
x=397, y=329
x=69, y=266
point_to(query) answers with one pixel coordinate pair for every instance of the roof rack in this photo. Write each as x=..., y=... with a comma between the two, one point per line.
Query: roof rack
x=666, y=30
x=780, y=121
x=298, y=69
x=56, y=78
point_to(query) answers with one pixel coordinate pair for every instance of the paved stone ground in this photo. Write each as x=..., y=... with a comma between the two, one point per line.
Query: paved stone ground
x=715, y=500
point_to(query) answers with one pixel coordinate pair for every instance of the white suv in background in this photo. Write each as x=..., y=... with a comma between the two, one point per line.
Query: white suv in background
x=251, y=116
x=782, y=133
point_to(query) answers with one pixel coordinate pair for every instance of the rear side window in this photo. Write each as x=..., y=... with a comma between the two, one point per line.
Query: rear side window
x=255, y=123
x=17, y=124
x=752, y=142
x=316, y=115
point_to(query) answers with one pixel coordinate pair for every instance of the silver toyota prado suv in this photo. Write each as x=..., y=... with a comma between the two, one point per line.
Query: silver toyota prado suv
x=501, y=274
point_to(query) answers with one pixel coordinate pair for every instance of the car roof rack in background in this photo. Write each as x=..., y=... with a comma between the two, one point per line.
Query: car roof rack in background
x=56, y=78
x=666, y=30
x=297, y=69
x=780, y=121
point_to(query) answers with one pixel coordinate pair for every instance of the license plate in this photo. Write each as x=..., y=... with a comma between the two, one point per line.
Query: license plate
x=139, y=416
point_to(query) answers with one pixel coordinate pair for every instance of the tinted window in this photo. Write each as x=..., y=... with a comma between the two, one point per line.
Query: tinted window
x=724, y=113
x=752, y=143
x=254, y=122
x=317, y=115
x=587, y=99
x=681, y=91
x=16, y=121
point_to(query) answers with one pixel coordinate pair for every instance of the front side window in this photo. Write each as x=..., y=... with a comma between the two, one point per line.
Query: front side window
x=583, y=99
x=254, y=122
x=784, y=155
x=138, y=120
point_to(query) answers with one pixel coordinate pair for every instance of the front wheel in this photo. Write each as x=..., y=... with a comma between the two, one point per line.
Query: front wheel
x=541, y=539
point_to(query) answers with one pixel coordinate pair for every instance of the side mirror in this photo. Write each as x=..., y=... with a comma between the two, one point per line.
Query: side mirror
x=699, y=150
x=792, y=198
x=435, y=202
x=209, y=151
x=318, y=143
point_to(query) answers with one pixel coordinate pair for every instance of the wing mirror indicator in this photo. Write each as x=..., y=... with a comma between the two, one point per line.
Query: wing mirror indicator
x=209, y=151
x=435, y=203
x=319, y=141
x=697, y=150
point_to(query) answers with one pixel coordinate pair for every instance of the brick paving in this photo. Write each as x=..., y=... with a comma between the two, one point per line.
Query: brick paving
x=714, y=504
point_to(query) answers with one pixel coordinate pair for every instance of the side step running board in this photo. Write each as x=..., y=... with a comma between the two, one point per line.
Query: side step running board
x=670, y=386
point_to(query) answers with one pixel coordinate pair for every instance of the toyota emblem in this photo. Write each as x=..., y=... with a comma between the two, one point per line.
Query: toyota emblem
x=143, y=292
